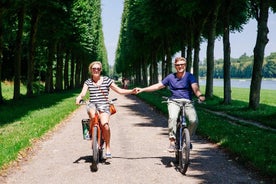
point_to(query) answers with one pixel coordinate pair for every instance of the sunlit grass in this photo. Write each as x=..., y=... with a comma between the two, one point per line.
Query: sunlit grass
x=7, y=90
x=28, y=119
x=265, y=114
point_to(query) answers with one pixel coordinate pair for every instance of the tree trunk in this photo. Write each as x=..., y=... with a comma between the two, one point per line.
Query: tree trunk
x=227, y=62
x=49, y=86
x=155, y=70
x=84, y=69
x=183, y=49
x=1, y=52
x=30, y=72
x=262, y=40
x=144, y=72
x=66, y=70
x=210, y=52
x=138, y=73
x=189, y=53
x=59, y=67
x=72, y=71
x=168, y=62
x=1, y=95
x=163, y=66
x=196, y=54
x=151, y=73
x=18, y=51
x=78, y=72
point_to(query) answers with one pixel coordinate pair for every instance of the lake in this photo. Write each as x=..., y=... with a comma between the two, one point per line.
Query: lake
x=243, y=83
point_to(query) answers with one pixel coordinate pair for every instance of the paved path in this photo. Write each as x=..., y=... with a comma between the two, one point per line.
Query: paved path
x=139, y=142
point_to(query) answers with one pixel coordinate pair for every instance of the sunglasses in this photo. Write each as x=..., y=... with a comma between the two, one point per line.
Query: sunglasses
x=180, y=64
x=94, y=69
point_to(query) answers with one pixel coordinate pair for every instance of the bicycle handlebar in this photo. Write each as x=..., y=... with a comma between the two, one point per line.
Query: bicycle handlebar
x=183, y=101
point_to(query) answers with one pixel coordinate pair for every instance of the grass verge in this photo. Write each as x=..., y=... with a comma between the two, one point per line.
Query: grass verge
x=27, y=119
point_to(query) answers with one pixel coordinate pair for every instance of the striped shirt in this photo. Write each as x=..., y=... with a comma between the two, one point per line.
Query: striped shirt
x=99, y=94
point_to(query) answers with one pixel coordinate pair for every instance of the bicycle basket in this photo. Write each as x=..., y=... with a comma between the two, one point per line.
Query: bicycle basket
x=85, y=129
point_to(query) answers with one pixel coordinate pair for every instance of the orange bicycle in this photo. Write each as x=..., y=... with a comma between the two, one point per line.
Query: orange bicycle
x=95, y=132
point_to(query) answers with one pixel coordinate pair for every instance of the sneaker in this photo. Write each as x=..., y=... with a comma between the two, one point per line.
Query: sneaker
x=171, y=148
x=108, y=156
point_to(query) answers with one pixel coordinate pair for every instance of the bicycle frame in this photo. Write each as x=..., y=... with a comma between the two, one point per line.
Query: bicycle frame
x=182, y=125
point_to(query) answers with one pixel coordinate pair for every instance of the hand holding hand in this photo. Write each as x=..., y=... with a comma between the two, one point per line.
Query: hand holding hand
x=138, y=90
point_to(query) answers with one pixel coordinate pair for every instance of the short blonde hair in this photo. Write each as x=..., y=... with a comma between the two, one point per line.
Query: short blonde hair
x=180, y=59
x=92, y=64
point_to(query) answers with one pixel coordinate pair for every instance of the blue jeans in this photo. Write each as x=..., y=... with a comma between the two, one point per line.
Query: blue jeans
x=174, y=111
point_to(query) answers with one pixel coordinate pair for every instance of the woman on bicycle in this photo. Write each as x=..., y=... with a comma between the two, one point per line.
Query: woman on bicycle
x=182, y=85
x=98, y=87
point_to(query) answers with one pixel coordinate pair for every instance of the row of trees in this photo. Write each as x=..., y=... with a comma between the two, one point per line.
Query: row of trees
x=153, y=31
x=55, y=40
x=51, y=40
x=242, y=67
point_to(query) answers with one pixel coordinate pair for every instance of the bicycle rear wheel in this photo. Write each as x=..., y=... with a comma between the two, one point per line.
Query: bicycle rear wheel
x=95, y=150
x=185, y=152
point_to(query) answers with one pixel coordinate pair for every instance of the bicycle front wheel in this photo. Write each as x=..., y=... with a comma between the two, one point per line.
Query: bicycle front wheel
x=185, y=152
x=95, y=149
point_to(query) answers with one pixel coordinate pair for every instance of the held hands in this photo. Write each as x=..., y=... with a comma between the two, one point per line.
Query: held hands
x=136, y=90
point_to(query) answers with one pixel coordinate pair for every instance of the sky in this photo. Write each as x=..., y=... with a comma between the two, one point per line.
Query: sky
x=241, y=43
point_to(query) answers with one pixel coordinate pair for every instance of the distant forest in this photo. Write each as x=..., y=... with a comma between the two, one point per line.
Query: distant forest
x=242, y=67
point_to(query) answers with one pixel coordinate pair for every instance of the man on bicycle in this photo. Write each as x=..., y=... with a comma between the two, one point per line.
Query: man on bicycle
x=182, y=85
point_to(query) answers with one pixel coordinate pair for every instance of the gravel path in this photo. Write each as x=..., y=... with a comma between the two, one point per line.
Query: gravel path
x=139, y=141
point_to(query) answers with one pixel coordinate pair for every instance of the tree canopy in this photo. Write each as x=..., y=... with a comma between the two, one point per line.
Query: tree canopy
x=152, y=32
x=50, y=42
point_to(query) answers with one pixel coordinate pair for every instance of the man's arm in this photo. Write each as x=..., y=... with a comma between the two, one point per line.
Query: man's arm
x=151, y=88
x=197, y=92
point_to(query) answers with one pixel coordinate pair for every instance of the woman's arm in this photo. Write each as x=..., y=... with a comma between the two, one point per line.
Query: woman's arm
x=121, y=91
x=82, y=94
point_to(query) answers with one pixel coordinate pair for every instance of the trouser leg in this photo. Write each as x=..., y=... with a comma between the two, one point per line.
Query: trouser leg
x=192, y=117
x=173, y=110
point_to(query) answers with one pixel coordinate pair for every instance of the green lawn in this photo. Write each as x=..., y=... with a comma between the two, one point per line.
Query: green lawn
x=27, y=119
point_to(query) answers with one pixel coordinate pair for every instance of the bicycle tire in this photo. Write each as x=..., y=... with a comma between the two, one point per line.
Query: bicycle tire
x=184, y=157
x=101, y=151
x=95, y=150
